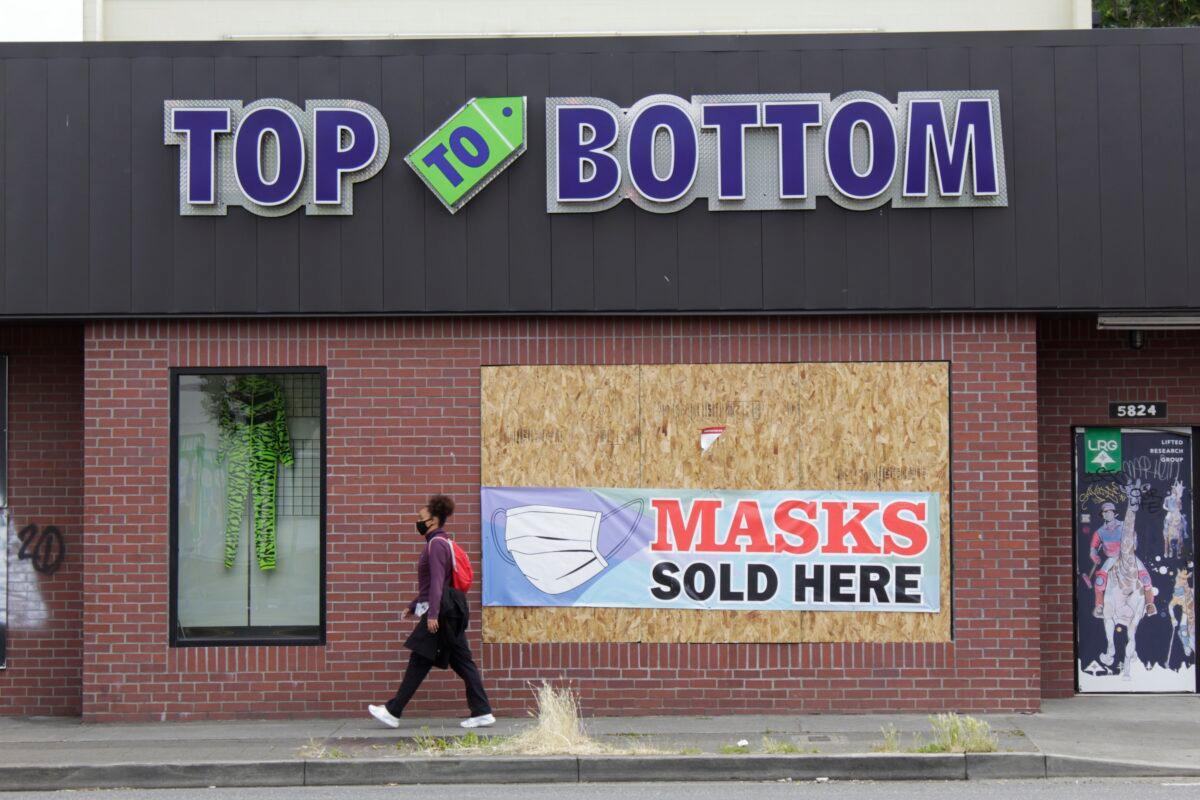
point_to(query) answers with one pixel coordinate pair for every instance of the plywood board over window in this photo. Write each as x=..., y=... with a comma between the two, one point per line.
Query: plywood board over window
x=882, y=426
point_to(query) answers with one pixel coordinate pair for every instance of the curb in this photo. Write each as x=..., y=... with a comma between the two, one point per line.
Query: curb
x=368, y=772
x=868, y=766
x=1058, y=766
x=1005, y=766
x=153, y=776
x=582, y=769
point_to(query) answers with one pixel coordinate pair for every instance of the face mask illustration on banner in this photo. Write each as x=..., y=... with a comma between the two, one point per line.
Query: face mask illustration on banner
x=557, y=549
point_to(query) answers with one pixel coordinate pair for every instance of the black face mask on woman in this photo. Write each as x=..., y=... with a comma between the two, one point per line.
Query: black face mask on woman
x=423, y=526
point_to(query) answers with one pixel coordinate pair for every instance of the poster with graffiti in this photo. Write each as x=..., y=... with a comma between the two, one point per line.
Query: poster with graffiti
x=1134, y=560
x=4, y=588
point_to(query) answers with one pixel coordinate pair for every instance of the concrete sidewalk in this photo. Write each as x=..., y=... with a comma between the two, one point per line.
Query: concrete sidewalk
x=1093, y=736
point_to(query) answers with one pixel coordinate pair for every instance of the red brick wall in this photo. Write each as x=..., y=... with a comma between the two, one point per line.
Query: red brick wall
x=398, y=390
x=45, y=482
x=1081, y=370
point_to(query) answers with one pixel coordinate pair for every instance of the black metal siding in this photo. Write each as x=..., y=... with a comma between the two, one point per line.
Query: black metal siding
x=1101, y=137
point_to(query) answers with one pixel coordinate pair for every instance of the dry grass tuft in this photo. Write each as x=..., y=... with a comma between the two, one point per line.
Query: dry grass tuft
x=559, y=730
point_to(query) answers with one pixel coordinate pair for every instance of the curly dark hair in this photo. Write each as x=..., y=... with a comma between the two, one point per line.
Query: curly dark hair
x=440, y=506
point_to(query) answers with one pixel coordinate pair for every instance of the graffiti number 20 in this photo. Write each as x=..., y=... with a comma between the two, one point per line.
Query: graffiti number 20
x=45, y=547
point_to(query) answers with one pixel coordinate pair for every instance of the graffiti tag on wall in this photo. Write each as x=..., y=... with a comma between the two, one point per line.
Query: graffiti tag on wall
x=44, y=547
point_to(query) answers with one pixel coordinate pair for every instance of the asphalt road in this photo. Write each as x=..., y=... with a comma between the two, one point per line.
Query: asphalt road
x=949, y=790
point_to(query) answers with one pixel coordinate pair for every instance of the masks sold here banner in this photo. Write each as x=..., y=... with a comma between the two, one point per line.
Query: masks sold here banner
x=739, y=550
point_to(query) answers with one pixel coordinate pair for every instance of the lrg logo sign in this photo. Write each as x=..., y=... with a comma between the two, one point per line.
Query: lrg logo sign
x=470, y=148
x=1102, y=450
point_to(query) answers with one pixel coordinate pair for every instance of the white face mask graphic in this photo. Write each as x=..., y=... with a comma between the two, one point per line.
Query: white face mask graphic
x=556, y=548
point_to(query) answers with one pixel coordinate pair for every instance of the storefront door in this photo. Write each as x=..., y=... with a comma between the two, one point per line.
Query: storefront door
x=1135, y=593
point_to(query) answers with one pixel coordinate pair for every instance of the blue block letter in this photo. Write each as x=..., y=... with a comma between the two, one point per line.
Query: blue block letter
x=731, y=121
x=330, y=160
x=793, y=121
x=881, y=145
x=201, y=126
x=684, y=152
x=585, y=133
x=437, y=158
x=972, y=132
x=474, y=156
x=248, y=156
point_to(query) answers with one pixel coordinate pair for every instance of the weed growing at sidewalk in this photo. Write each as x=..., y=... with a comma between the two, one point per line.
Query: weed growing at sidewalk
x=319, y=749
x=955, y=734
x=778, y=747
x=471, y=741
x=734, y=749
x=557, y=731
x=891, y=739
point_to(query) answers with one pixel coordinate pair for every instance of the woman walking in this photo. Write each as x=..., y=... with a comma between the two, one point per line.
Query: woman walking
x=440, y=638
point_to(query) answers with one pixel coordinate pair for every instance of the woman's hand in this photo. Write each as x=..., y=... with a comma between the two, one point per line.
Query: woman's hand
x=432, y=625
x=405, y=614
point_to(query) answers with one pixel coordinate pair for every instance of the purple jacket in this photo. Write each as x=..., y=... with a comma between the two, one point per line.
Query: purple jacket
x=433, y=571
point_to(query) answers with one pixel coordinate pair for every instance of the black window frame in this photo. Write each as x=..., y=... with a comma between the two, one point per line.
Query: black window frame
x=3, y=431
x=261, y=635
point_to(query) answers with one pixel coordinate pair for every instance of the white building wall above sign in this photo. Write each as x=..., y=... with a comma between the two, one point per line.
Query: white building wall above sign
x=159, y=20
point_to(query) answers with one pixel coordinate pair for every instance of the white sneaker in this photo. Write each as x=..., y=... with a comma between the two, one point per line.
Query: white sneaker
x=383, y=715
x=477, y=722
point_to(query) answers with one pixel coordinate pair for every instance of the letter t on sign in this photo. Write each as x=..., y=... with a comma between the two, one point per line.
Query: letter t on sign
x=200, y=126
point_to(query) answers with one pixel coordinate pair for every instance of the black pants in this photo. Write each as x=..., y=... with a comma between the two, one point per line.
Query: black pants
x=463, y=666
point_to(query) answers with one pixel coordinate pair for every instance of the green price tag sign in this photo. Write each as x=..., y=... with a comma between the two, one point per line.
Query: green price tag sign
x=470, y=148
x=1102, y=450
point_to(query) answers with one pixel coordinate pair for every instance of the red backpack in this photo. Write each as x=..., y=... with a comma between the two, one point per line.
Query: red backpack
x=461, y=573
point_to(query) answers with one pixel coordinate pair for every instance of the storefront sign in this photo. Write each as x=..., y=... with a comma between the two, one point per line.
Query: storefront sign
x=692, y=549
x=471, y=148
x=270, y=157
x=739, y=152
x=779, y=151
x=1146, y=409
x=1102, y=450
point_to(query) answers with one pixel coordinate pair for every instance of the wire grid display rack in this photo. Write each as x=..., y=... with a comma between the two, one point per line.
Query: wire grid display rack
x=300, y=484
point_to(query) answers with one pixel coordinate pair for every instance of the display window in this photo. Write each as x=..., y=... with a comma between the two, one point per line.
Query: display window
x=247, y=506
